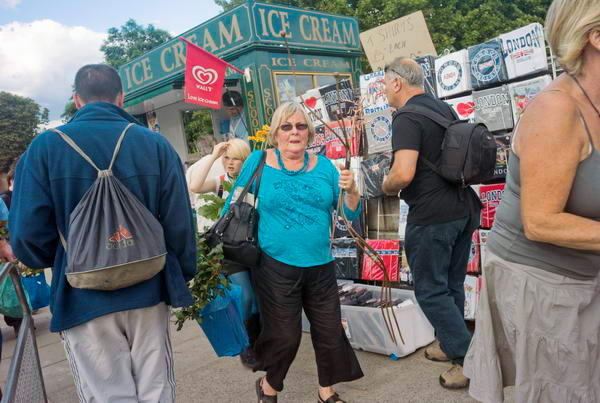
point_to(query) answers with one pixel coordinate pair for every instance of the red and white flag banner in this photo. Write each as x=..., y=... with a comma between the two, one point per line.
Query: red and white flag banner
x=204, y=77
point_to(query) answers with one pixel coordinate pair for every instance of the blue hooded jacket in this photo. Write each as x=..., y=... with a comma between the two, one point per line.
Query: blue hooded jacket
x=52, y=178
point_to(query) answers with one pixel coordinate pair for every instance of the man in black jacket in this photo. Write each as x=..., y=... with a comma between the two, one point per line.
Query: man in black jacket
x=441, y=219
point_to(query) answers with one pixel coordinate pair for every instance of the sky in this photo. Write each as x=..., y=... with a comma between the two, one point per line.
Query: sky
x=44, y=42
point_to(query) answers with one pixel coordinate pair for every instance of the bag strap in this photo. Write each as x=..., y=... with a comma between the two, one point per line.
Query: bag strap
x=86, y=157
x=257, y=175
x=428, y=113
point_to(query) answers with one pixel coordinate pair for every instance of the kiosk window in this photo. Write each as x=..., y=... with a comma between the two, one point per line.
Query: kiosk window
x=290, y=86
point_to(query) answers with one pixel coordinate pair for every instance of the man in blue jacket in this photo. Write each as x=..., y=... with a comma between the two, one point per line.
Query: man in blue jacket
x=117, y=342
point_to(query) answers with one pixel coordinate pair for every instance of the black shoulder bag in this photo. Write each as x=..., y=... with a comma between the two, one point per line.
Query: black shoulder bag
x=237, y=229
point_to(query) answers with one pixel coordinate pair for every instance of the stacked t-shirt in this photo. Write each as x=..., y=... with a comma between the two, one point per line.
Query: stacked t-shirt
x=372, y=91
x=502, y=148
x=378, y=128
x=452, y=74
x=464, y=107
x=522, y=93
x=524, y=50
x=347, y=258
x=314, y=106
x=428, y=65
x=372, y=173
x=492, y=108
x=377, y=112
x=487, y=64
x=339, y=99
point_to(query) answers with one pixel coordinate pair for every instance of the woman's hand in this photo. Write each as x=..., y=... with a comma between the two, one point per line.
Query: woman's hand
x=347, y=181
x=220, y=149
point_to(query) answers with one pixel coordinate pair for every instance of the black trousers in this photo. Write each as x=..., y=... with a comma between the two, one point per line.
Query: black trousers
x=283, y=291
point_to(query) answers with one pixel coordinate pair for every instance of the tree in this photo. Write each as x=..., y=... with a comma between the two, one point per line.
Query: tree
x=196, y=124
x=453, y=24
x=131, y=41
x=70, y=111
x=20, y=119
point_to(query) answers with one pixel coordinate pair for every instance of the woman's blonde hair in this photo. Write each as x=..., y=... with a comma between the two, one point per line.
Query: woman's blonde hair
x=568, y=25
x=282, y=113
x=238, y=148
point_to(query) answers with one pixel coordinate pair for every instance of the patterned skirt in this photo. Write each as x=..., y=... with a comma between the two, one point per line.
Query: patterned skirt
x=538, y=331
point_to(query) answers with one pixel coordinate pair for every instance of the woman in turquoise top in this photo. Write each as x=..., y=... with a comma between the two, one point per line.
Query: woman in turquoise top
x=297, y=195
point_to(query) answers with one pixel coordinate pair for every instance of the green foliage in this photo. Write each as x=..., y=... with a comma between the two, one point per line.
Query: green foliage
x=19, y=121
x=214, y=204
x=69, y=112
x=196, y=123
x=453, y=24
x=207, y=284
x=130, y=41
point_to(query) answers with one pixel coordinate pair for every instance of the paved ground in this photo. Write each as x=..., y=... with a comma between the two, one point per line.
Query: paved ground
x=202, y=377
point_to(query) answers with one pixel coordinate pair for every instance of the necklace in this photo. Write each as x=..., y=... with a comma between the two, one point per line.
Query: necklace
x=586, y=95
x=290, y=172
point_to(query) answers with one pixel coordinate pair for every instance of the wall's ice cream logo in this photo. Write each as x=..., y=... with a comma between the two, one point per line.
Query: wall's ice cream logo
x=205, y=76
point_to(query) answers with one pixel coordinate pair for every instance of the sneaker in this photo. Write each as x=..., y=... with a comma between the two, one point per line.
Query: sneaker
x=435, y=353
x=454, y=378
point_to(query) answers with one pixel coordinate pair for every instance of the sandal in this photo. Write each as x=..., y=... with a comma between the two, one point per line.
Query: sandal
x=335, y=398
x=262, y=398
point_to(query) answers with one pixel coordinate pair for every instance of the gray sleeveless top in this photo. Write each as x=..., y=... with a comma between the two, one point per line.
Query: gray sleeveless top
x=507, y=238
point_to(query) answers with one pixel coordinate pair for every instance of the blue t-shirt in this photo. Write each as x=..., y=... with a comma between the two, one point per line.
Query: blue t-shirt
x=3, y=211
x=295, y=211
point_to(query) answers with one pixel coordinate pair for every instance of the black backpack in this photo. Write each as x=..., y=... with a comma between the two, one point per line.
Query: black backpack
x=468, y=151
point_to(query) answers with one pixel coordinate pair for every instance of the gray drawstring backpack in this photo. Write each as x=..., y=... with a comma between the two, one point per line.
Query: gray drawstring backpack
x=114, y=241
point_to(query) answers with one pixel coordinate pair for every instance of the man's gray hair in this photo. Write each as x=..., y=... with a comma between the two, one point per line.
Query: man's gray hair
x=407, y=69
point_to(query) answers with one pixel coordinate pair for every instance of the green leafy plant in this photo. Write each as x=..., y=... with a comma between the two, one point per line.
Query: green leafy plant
x=207, y=284
x=209, y=281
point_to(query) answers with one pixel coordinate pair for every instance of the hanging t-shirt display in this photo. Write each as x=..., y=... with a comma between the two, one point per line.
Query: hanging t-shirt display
x=372, y=173
x=402, y=219
x=314, y=106
x=492, y=108
x=487, y=64
x=524, y=50
x=464, y=107
x=359, y=224
x=490, y=196
x=389, y=250
x=428, y=66
x=502, y=148
x=372, y=93
x=452, y=75
x=522, y=93
x=473, y=263
x=326, y=142
x=347, y=259
x=378, y=127
x=340, y=101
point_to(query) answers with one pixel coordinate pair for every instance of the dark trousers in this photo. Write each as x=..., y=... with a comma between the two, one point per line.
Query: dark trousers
x=437, y=256
x=283, y=291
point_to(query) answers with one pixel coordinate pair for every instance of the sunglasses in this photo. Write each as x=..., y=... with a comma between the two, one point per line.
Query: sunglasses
x=286, y=127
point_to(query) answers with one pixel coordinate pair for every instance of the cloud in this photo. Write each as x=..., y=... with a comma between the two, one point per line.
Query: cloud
x=9, y=3
x=39, y=59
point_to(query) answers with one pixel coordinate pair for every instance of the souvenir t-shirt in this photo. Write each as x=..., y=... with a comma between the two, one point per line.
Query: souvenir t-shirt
x=339, y=99
x=487, y=64
x=522, y=93
x=493, y=108
x=428, y=66
x=452, y=74
x=372, y=93
x=378, y=127
x=432, y=200
x=372, y=172
x=524, y=50
x=314, y=106
x=502, y=148
x=347, y=258
x=464, y=107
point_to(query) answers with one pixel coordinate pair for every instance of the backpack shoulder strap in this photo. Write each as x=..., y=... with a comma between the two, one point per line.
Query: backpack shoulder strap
x=428, y=113
x=86, y=157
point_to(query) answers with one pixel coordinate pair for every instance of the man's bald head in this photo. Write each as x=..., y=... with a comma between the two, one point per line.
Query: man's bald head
x=407, y=69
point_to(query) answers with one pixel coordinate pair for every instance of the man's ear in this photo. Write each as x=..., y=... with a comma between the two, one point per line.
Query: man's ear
x=120, y=101
x=79, y=103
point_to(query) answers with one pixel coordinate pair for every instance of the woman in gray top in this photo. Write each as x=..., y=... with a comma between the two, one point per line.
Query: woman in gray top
x=538, y=320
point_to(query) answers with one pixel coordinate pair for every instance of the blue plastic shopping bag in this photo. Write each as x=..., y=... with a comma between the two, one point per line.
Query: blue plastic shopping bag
x=38, y=290
x=223, y=324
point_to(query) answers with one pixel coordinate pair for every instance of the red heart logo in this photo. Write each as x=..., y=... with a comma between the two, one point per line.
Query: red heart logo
x=311, y=102
x=465, y=108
